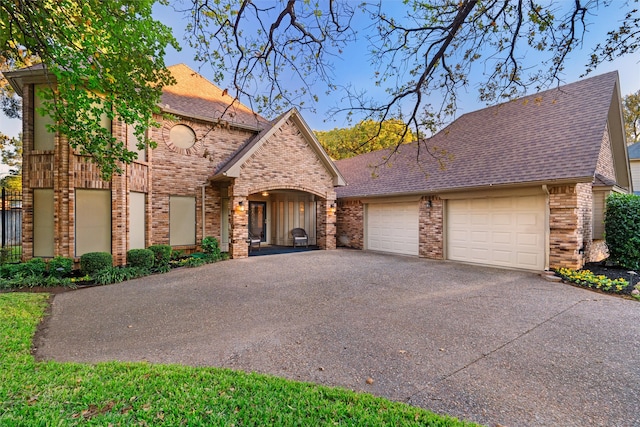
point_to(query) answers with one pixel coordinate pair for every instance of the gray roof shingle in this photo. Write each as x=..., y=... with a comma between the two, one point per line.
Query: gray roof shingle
x=550, y=136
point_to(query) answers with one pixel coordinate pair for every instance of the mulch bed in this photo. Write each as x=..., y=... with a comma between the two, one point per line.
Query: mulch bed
x=614, y=272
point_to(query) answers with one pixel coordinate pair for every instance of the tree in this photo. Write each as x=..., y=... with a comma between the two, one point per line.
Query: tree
x=427, y=50
x=631, y=110
x=11, y=155
x=364, y=137
x=101, y=58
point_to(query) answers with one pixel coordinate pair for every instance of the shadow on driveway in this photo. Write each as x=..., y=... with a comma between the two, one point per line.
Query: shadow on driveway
x=487, y=345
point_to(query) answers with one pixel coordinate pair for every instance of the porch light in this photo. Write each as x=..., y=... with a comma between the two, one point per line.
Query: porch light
x=333, y=208
x=240, y=207
x=265, y=193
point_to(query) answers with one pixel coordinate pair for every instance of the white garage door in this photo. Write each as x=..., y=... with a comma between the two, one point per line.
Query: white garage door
x=393, y=227
x=501, y=231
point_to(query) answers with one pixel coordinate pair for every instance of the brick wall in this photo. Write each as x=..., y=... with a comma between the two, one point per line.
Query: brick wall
x=431, y=239
x=350, y=224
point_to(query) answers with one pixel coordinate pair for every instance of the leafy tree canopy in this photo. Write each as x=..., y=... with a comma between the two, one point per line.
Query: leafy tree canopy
x=421, y=50
x=631, y=110
x=11, y=153
x=365, y=136
x=102, y=59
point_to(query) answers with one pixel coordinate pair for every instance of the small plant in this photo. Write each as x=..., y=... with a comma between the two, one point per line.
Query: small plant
x=162, y=256
x=93, y=262
x=141, y=258
x=60, y=266
x=110, y=275
x=195, y=261
x=588, y=279
x=211, y=248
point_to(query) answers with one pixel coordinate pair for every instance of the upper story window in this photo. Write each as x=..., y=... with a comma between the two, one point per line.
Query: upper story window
x=43, y=139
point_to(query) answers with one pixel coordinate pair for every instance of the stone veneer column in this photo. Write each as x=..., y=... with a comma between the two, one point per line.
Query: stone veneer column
x=325, y=224
x=566, y=226
x=431, y=238
x=238, y=222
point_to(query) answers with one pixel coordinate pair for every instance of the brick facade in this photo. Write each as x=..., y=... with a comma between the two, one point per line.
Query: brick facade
x=285, y=162
x=350, y=224
x=431, y=222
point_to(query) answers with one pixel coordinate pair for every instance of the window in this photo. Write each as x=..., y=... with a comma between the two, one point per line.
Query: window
x=137, y=220
x=93, y=221
x=182, y=220
x=43, y=140
x=132, y=144
x=43, y=241
x=182, y=136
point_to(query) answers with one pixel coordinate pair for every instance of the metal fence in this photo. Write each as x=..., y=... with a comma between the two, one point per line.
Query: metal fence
x=11, y=227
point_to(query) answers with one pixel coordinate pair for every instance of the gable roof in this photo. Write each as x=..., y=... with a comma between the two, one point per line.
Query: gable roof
x=232, y=166
x=553, y=136
x=196, y=97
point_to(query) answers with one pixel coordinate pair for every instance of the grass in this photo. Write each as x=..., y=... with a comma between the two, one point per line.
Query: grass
x=122, y=394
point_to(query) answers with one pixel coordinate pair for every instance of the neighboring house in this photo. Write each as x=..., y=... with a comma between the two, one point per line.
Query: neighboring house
x=525, y=186
x=209, y=176
x=634, y=163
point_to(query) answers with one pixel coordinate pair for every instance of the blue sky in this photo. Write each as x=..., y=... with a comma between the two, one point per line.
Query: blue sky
x=352, y=66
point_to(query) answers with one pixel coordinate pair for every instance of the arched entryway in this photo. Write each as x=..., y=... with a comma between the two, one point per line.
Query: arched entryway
x=272, y=214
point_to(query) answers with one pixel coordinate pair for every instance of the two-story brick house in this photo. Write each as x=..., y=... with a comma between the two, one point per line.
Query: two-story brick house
x=211, y=175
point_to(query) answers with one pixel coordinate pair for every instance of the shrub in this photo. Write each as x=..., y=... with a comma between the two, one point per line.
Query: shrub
x=140, y=258
x=110, y=275
x=211, y=247
x=162, y=256
x=35, y=267
x=9, y=271
x=92, y=262
x=622, y=229
x=60, y=266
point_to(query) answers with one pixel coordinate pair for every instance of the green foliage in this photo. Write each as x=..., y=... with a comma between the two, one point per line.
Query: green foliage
x=364, y=137
x=60, y=266
x=114, y=393
x=110, y=275
x=622, y=229
x=35, y=267
x=211, y=248
x=92, y=262
x=631, y=111
x=590, y=280
x=106, y=59
x=162, y=256
x=141, y=258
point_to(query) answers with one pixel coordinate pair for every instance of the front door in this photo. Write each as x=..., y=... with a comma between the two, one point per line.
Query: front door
x=258, y=219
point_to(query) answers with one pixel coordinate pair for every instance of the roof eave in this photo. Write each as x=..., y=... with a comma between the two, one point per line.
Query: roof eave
x=184, y=114
x=435, y=192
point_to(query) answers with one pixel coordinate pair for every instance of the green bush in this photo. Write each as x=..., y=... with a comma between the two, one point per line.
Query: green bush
x=35, y=267
x=110, y=275
x=92, y=262
x=162, y=256
x=140, y=258
x=9, y=271
x=60, y=266
x=622, y=229
x=211, y=247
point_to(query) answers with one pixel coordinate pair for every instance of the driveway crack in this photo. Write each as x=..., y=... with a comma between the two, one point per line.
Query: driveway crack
x=500, y=347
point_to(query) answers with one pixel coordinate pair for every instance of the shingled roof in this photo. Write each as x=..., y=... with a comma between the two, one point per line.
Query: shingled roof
x=196, y=97
x=553, y=136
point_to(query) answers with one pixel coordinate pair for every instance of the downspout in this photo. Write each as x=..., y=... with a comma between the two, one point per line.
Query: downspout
x=203, y=209
x=547, y=231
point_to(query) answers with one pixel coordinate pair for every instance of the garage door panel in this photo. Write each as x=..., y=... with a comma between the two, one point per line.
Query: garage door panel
x=504, y=231
x=393, y=227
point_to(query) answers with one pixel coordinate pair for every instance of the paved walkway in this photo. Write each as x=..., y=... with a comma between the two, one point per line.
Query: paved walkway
x=487, y=345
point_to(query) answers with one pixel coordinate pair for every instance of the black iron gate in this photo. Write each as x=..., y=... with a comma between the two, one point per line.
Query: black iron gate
x=11, y=227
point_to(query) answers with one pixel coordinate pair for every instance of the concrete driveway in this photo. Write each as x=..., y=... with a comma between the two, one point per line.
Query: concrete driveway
x=487, y=345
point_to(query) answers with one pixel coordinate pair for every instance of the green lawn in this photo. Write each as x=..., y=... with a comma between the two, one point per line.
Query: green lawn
x=122, y=394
